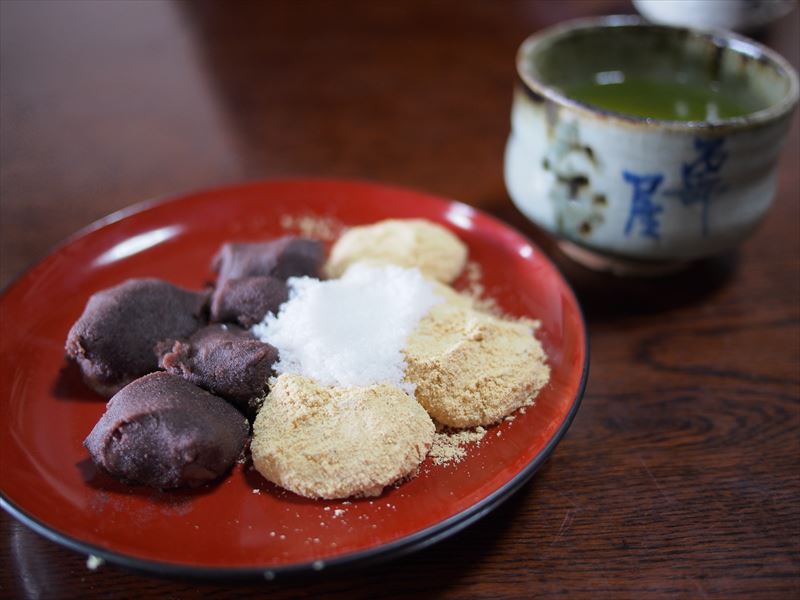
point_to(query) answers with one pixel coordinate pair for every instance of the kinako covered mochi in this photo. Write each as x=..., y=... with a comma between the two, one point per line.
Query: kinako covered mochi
x=409, y=243
x=335, y=442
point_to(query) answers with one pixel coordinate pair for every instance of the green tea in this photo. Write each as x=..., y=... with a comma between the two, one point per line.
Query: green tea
x=673, y=101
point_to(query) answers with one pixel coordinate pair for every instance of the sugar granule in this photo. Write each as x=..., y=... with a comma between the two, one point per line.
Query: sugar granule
x=349, y=331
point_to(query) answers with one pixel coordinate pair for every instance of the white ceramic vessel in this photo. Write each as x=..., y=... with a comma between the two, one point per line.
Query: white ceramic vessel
x=629, y=187
x=741, y=15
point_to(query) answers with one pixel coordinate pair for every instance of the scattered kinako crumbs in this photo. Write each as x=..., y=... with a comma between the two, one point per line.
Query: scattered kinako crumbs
x=321, y=228
x=449, y=444
x=475, y=289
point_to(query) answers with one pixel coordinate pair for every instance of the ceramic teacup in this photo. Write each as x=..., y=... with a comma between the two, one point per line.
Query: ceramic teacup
x=650, y=191
x=741, y=15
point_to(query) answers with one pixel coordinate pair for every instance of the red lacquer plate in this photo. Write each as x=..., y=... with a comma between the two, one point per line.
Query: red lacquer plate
x=244, y=525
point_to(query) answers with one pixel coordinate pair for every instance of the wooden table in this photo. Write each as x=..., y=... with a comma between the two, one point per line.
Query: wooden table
x=681, y=473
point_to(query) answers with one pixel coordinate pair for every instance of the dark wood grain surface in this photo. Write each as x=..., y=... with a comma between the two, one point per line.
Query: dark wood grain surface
x=681, y=473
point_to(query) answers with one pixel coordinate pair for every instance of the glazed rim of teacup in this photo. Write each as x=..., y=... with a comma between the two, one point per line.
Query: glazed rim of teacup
x=722, y=40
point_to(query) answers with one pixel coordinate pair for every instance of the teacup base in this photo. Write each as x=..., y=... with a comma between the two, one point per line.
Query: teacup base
x=621, y=267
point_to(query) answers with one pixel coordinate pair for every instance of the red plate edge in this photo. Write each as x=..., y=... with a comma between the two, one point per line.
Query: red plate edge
x=404, y=545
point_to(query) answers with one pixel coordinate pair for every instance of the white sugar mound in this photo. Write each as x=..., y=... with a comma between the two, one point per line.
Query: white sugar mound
x=349, y=331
